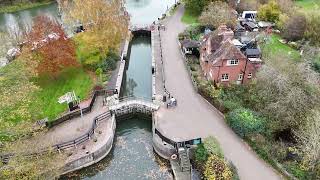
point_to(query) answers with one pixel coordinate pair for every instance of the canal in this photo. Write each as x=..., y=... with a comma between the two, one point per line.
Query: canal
x=132, y=156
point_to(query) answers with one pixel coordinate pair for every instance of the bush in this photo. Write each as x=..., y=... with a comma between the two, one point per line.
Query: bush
x=313, y=27
x=247, y=5
x=110, y=63
x=316, y=64
x=195, y=6
x=201, y=154
x=210, y=146
x=269, y=12
x=216, y=168
x=295, y=27
x=245, y=122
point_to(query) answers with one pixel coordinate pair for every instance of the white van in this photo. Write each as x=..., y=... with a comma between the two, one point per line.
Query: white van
x=250, y=15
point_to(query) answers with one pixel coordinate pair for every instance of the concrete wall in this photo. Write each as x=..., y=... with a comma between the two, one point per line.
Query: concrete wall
x=93, y=157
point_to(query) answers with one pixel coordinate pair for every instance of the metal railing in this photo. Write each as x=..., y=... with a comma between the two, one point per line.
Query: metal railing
x=85, y=137
x=65, y=145
x=126, y=101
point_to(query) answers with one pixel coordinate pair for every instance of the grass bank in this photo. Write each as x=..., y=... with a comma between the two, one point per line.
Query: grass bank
x=189, y=18
x=274, y=48
x=22, y=6
x=308, y=5
x=71, y=79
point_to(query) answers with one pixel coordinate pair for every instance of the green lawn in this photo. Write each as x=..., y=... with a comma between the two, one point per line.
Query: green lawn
x=189, y=18
x=308, y=5
x=274, y=48
x=51, y=89
x=22, y=6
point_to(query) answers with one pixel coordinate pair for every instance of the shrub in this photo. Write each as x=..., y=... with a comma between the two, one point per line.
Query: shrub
x=316, y=64
x=216, y=168
x=110, y=62
x=245, y=122
x=201, y=154
x=269, y=12
x=283, y=19
x=230, y=105
x=295, y=27
x=313, y=27
x=212, y=146
x=247, y=5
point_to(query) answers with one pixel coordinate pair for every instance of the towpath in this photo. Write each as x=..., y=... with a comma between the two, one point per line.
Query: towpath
x=195, y=117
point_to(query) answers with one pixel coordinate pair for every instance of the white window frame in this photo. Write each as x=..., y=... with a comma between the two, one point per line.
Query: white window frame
x=240, y=77
x=233, y=62
x=249, y=75
x=225, y=77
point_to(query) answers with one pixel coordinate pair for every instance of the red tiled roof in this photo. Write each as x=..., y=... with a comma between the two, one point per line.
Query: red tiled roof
x=226, y=50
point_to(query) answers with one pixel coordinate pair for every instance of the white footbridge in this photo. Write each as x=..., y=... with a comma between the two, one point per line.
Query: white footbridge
x=128, y=105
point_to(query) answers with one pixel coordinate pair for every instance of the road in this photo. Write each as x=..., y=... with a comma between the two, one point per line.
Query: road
x=194, y=116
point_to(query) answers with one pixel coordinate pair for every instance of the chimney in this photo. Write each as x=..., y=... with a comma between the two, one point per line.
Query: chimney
x=225, y=32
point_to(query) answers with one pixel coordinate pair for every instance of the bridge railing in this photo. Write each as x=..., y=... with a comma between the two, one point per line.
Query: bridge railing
x=111, y=101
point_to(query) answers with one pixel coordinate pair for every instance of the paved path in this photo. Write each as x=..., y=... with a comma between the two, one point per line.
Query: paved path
x=194, y=117
x=73, y=128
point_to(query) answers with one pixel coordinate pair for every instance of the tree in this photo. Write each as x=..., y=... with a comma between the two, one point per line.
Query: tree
x=51, y=50
x=295, y=27
x=218, y=13
x=269, y=12
x=105, y=22
x=286, y=92
x=195, y=6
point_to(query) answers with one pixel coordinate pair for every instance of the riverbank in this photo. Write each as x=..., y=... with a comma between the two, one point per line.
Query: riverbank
x=23, y=6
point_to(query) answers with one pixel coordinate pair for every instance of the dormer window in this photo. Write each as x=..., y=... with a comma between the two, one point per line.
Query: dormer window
x=232, y=62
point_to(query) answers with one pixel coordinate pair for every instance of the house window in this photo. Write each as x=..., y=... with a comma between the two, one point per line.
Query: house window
x=240, y=77
x=249, y=75
x=233, y=62
x=225, y=77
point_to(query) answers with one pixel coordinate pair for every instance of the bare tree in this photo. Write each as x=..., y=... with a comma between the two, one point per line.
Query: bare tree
x=218, y=13
x=288, y=91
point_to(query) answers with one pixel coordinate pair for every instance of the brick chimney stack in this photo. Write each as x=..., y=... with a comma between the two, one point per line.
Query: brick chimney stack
x=227, y=34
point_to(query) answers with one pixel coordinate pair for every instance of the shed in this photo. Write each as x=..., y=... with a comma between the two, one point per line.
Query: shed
x=189, y=46
x=253, y=53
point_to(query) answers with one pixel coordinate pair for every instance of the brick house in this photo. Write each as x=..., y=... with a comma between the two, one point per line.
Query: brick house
x=223, y=62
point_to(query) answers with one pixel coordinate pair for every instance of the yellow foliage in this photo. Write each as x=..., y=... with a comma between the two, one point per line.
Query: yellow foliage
x=105, y=22
x=217, y=169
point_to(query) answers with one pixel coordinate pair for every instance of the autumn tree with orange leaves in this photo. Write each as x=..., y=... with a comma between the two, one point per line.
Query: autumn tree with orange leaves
x=51, y=50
